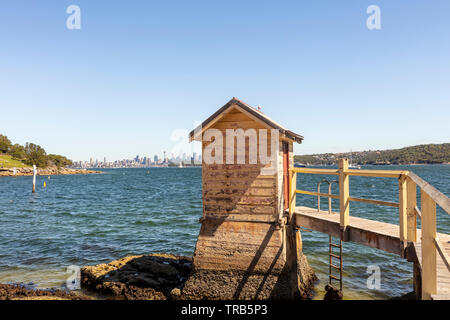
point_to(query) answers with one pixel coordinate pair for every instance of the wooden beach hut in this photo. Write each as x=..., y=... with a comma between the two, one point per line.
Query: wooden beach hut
x=249, y=245
x=246, y=248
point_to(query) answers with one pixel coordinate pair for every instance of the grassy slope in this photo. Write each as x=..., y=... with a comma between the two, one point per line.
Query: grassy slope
x=6, y=161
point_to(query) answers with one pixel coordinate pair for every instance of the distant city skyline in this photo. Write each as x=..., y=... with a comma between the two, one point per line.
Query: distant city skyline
x=139, y=161
x=134, y=79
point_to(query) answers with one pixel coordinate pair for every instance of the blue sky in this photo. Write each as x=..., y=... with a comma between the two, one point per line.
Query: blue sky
x=139, y=70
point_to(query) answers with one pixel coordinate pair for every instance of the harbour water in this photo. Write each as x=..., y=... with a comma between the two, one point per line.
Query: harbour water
x=89, y=219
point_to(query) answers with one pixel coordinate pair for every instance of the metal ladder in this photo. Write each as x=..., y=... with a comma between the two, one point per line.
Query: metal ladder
x=333, y=266
x=332, y=245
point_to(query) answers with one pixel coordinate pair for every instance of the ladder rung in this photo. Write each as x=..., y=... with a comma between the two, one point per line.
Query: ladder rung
x=335, y=255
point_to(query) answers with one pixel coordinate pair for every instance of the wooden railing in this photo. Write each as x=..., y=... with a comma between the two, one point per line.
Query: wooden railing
x=429, y=197
x=408, y=211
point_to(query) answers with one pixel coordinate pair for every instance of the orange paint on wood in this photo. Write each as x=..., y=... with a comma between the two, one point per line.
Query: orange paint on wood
x=286, y=174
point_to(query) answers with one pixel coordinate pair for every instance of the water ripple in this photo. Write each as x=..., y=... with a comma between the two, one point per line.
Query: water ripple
x=90, y=219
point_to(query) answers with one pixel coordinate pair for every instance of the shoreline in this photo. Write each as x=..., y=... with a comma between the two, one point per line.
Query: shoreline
x=21, y=292
x=383, y=164
x=154, y=276
x=21, y=172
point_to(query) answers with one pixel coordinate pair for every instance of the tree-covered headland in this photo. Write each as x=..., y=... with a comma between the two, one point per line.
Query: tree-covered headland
x=31, y=154
x=420, y=154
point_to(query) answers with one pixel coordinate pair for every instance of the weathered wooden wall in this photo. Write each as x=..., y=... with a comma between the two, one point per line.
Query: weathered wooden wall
x=244, y=249
x=238, y=203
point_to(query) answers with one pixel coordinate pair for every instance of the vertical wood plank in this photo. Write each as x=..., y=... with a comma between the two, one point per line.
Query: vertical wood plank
x=292, y=194
x=429, y=276
x=402, y=208
x=344, y=193
x=411, y=213
x=286, y=180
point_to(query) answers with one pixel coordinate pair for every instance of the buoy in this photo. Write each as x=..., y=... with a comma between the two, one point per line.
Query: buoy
x=45, y=184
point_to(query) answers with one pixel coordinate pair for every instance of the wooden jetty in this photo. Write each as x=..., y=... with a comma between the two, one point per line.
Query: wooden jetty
x=427, y=249
x=249, y=245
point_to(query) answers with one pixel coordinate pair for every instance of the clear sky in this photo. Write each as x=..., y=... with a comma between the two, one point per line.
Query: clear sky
x=138, y=71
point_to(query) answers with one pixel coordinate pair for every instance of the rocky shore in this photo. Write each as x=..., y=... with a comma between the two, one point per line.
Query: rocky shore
x=145, y=277
x=20, y=292
x=9, y=172
x=142, y=277
x=164, y=277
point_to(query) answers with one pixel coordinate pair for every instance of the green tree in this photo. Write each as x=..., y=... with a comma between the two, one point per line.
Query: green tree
x=35, y=154
x=17, y=151
x=58, y=160
x=5, y=144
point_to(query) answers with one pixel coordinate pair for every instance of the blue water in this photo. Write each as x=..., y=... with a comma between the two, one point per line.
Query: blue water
x=90, y=219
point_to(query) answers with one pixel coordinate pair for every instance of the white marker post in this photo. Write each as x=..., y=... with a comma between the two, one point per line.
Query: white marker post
x=14, y=171
x=34, y=178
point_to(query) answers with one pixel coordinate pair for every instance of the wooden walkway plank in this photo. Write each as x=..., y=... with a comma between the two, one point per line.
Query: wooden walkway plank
x=376, y=234
x=443, y=275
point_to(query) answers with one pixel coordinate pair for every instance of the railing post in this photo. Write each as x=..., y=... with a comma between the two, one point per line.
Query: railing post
x=318, y=197
x=402, y=208
x=429, y=274
x=344, y=194
x=411, y=195
x=292, y=193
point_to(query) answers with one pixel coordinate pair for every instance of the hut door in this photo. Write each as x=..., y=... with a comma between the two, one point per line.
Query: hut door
x=286, y=174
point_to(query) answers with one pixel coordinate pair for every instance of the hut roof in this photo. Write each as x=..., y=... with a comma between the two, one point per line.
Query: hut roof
x=246, y=109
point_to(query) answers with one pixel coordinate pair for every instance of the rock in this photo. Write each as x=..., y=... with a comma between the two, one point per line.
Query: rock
x=155, y=266
x=114, y=288
x=9, y=172
x=175, y=293
x=139, y=277
x=332, y=293
x=296, y=283
x=407, y=296
x=144, y=282
x=20, y=292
